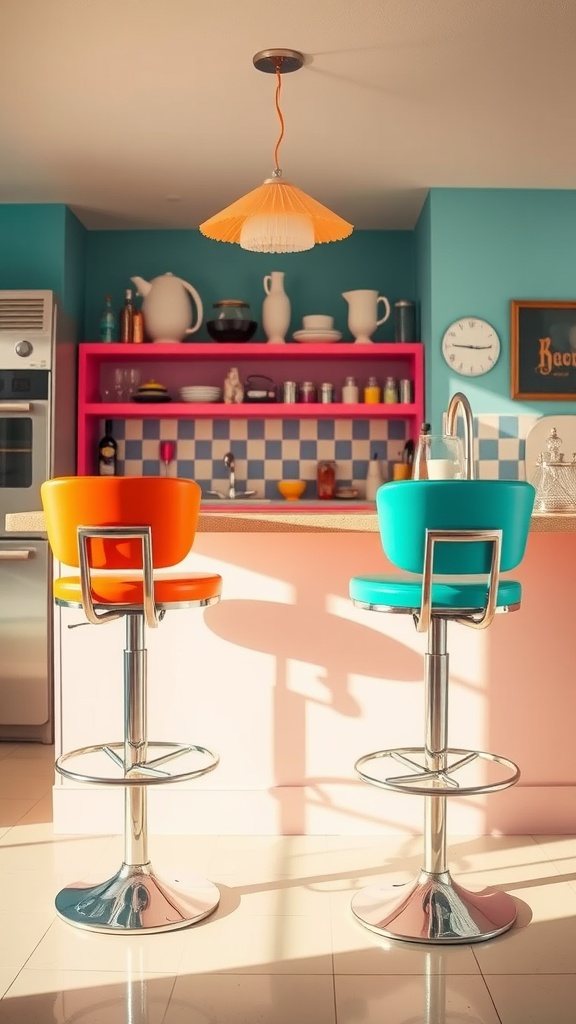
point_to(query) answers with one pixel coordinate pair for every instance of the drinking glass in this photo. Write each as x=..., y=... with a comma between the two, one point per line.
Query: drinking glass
x=132, y=380
x=120, y=383
x=439, y=457
x=167, y=453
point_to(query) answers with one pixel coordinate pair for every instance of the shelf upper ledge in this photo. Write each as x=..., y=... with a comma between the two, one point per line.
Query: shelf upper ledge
x=231, y=521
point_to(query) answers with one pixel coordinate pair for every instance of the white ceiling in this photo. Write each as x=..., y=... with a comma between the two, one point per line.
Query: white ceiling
x=149, y=113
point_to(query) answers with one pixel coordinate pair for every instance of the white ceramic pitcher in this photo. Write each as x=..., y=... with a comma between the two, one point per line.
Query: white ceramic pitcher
x=275, y=308
x=363, y=313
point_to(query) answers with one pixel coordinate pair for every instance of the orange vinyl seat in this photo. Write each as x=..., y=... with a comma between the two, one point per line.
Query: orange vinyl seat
x=125, y=534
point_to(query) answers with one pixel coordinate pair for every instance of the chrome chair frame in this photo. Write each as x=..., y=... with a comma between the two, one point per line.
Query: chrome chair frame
x=434, y=908
x=135, y=899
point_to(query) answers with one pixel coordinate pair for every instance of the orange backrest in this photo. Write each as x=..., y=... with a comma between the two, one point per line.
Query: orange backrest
x=170, y=506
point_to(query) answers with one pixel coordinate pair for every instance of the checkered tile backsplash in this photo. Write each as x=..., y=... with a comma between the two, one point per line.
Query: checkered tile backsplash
x=271, y=450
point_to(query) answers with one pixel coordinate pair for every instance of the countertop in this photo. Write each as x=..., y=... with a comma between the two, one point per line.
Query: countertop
x=275, y=519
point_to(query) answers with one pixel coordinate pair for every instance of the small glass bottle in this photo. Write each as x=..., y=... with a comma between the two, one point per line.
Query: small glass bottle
x=350, y=392
x=107, y=452
x=420, y=467
x=372, y=391
x=390, y=391
x=107, y=321
x=126, y=317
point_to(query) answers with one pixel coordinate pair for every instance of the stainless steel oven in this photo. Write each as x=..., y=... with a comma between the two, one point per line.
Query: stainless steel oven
x=37, y=441
x=24, y=429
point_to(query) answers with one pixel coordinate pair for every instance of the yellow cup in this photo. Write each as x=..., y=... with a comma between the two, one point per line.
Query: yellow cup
x=401, y=471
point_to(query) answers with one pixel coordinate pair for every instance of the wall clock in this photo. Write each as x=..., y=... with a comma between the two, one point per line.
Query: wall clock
x=470, y=346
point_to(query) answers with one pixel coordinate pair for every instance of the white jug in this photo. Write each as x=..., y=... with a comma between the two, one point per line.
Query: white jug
x=275, y=308
x=363, y=313
x=166, y=307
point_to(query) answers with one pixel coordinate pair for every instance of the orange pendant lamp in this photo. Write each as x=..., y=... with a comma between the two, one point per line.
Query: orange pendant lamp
x=277, y=216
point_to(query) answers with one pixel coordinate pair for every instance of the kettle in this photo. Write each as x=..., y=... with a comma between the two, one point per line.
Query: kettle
x=166, y=307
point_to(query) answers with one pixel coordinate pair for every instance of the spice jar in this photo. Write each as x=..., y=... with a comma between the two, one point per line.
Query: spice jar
x=326, y=479
x=372, y=391
x=350, y=391
x=390, y=391
x=307, y=391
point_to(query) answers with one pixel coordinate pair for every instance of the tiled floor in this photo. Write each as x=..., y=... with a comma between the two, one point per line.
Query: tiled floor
x=282, y=947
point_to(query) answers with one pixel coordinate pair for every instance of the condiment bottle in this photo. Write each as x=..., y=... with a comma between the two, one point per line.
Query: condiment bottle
x=326, y=479
x=350, y=393
x=372, y=391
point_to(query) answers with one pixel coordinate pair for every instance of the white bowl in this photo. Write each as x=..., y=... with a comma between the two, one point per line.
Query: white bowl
x=317, y=322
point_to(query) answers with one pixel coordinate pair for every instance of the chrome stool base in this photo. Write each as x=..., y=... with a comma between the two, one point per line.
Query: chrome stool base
x=433, y=908
x=136, y=901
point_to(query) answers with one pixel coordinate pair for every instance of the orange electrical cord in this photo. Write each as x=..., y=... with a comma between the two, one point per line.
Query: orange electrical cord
x=279, y=112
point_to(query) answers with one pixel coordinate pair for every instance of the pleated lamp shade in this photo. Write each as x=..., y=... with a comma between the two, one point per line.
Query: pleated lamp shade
x=276, y=217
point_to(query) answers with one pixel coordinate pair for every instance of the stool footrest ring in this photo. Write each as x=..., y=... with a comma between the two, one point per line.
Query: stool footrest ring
x=145, y=773
x=438, y=781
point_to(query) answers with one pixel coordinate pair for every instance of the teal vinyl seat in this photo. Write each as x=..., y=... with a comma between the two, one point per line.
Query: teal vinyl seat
x=450, y=539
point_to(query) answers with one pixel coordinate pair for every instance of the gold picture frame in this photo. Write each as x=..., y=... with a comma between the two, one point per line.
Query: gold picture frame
x=543, y=350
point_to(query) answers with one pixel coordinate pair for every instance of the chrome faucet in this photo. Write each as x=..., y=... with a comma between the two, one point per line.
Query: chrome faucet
x=230, y=463
x=459, y=401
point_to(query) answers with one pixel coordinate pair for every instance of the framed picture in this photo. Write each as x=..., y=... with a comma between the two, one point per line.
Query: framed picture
x=543, y=350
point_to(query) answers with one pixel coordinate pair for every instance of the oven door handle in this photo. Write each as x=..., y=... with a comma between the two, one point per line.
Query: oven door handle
x=15, y=406
x=15, y=555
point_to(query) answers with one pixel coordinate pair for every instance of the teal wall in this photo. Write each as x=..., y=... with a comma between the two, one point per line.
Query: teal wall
x=489, y=246
x=32, y=240
x=314, y=280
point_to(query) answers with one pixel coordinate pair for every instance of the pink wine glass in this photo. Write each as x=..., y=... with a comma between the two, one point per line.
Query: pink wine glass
x=167, y=453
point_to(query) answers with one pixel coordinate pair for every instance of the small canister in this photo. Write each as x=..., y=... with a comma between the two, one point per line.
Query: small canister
x=326, y=392
x=290, y=392
x=307, y=391
x=405, y=391
x=404, y=320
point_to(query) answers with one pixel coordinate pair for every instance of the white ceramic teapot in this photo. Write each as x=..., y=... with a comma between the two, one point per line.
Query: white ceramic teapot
x=166, y=307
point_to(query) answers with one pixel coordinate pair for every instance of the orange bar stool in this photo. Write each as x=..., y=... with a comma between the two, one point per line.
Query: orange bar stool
x=452, y=539
x=118, y=531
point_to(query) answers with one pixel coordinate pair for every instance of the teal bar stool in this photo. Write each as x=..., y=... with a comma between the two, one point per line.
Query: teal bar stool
x=452, y=539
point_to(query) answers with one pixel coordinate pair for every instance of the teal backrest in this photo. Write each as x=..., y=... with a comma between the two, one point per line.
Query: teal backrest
x=407, y=508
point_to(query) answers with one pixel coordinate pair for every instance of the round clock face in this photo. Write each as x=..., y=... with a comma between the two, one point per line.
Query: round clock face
x=470, y=346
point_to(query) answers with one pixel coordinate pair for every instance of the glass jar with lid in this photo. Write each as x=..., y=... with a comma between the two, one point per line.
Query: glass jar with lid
x=231, y=309
x=231, y=321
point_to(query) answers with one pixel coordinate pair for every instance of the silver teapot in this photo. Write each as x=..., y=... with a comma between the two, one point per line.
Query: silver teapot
x=555, y=479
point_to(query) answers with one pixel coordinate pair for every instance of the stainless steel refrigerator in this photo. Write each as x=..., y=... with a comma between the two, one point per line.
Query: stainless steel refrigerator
x=37, y=441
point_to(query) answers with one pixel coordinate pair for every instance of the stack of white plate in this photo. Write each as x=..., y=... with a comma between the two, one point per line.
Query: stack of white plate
x=201, y=393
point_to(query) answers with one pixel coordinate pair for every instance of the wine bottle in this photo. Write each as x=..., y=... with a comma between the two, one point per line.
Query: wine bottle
x=107, y=452
x=107, y=321
x=127, y=317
